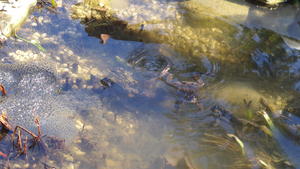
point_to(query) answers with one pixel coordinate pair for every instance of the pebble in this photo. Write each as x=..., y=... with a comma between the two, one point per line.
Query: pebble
x=104, y=144
x=26, y=165
x=68, y=157
x=69, y=166
x=40, y=19
x=88, y=127
x=17, y=166
x=112, y=163
x=77, y=151
x=79, y=124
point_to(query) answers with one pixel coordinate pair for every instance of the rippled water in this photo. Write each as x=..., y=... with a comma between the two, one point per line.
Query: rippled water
x=247, y=56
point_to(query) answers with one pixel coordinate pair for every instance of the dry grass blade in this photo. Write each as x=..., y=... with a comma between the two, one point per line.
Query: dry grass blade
x=24, y=129
x=238, y=141
x=20, y=145
x=266, y=130
x=36, y=140
x=37, y=122
x=267, y=118
x=4, y=122
x=264, y=164
x=222, y=142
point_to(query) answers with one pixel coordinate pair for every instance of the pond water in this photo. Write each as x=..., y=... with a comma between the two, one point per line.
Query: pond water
x=158, y=84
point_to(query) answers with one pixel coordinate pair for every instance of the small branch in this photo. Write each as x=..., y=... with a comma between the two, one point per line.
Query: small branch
x=20, y=140
x=4, y=122
x=26, y=130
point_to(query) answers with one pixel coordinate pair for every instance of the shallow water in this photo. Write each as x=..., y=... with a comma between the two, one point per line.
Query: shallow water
x=243, y=54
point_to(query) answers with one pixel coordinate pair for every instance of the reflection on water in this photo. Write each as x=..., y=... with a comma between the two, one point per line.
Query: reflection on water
x=130, y=99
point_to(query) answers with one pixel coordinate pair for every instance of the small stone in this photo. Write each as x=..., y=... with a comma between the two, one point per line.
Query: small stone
x=79, y=124
x=68, y=157
x=57, y=58
x=26, y=165
x=113, y=164
x=78, y=152
x=69, y=166
x=104, y=143
x=88, y=127
x=101, y=4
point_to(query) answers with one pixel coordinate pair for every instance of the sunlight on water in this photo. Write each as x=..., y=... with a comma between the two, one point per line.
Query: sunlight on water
x=155, y=84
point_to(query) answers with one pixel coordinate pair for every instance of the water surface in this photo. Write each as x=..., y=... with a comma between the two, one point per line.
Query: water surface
x=244, y=54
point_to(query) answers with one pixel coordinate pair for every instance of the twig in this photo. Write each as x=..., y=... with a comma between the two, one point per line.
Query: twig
x=37, y=122
x=20, y=140
x=26, y=130
x=4, y=122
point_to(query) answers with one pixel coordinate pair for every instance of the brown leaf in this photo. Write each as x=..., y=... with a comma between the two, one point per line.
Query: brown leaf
x=2, y=89
x=104, y=38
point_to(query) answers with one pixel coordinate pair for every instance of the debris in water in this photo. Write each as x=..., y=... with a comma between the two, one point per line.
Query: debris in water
x=36, y=139
x=104, y=38
x=189, y=89
x=106, y=82
x=22, y=144
x=3, y=91
x=267, y=118
x=3, y=155
x=4, y=122
x=238, y=141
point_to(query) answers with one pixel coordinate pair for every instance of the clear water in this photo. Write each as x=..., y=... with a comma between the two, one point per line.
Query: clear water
x=243, y=53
